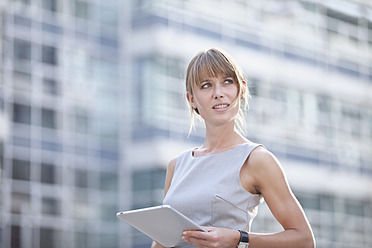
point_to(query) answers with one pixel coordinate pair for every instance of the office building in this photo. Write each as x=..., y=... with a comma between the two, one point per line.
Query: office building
x=59, y=121
x=92, y=108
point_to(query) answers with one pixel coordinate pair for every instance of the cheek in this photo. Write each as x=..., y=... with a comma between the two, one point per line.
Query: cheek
x=199, y=98
x=198, y=104
x=234, y=92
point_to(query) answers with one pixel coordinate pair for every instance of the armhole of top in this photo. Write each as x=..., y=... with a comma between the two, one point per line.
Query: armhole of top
x=245, y=161
x=249, y=154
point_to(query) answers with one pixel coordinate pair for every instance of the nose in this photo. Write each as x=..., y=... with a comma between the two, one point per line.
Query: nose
x=218, y=93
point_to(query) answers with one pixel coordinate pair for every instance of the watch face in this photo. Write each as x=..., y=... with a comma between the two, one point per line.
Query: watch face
x=243, y=245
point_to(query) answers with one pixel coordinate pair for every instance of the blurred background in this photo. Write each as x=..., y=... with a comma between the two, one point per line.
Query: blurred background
x=92, y=108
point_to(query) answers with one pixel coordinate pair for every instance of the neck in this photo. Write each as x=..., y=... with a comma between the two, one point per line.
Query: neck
x=219, y=138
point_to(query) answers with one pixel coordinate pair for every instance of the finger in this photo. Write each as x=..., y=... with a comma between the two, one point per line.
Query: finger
x=191, y=237
x=209, y=228
x=196, y=234
x=196, y=241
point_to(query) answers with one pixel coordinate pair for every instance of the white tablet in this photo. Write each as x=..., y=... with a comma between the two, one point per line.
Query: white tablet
x=163, y=224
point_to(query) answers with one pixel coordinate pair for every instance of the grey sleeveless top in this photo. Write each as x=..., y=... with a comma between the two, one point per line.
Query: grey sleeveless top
x=207, y=189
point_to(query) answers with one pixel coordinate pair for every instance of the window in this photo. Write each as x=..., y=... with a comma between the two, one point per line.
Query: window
x=253, y=86
x=81, y=207
x=81, y=178
x=109, y=15
x=81, y=120
x=23, y=1
x=1, y=157
x=278, y=96
x=49, y=55
x=327, y=202
x=21, y=169
x=49, y=174
x=351, y=119
x=50, y=86
x=164, y=97
x=16, y=237
x=278, y=93
x=20, y=203
x=23, y=21
x=50, y=206
x=355, y=207
x=324, y=103
x=50, y=5
x=142, y=180
x=50, y=238
x=109, y=240
x=107, y=208
x=82, y=9
x=48, y=118
x=22, y=49
x=309, y=201
x=109, y=181
x=148, y=186
x=22, y=80
x=324, y=115
x=81, y=239
x=21, y=113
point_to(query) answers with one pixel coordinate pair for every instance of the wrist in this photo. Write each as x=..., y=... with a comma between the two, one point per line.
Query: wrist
x=244, y=239
x=237, y=238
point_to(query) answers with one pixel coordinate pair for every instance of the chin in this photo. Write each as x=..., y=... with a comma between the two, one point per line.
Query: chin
x=223, y=122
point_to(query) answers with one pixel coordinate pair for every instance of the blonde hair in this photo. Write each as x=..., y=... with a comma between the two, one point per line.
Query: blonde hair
x=212, y=63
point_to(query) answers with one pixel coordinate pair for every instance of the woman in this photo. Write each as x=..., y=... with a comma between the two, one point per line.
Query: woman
x=220, y=184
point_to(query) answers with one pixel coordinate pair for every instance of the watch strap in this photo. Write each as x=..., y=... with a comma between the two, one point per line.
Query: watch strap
x=244, y=239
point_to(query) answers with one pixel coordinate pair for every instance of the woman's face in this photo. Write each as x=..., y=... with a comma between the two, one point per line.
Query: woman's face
x=215, y=99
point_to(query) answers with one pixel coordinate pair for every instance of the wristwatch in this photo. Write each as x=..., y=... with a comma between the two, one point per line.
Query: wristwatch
x=244, y=239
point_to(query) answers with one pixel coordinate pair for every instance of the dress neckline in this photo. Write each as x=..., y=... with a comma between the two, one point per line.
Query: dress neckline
x=215, y=154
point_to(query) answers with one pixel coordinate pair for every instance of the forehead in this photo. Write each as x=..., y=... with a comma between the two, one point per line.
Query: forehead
x=212, y=70
x=207, y=78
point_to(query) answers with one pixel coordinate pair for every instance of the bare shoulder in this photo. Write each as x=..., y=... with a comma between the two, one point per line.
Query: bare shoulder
x=261, y=157
x=264, y=167
x=172, y=163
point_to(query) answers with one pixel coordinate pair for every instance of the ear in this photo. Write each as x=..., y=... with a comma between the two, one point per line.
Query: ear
x=245, y=88
x=191, y=100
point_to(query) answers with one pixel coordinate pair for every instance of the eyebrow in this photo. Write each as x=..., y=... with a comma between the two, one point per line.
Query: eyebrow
x=205, y=80
x=209, y=79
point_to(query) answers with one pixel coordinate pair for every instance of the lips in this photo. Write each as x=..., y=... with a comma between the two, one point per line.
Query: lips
x=221, y=106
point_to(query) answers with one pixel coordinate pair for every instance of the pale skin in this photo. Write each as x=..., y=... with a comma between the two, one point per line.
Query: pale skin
x=260, y=174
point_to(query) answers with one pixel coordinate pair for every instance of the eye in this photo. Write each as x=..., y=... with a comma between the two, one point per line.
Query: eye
x=229, y=81
x=205, y=85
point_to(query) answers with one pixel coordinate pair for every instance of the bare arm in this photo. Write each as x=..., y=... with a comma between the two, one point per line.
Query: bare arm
x=270, y=181
x=168, y=181
x=169, y=175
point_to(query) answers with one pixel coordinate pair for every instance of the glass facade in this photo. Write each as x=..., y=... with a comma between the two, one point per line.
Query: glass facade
x=60, y=140
x=92, y=107
x=159, y=92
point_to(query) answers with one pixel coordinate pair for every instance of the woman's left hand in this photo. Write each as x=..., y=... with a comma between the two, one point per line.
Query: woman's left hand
x=215, y=237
